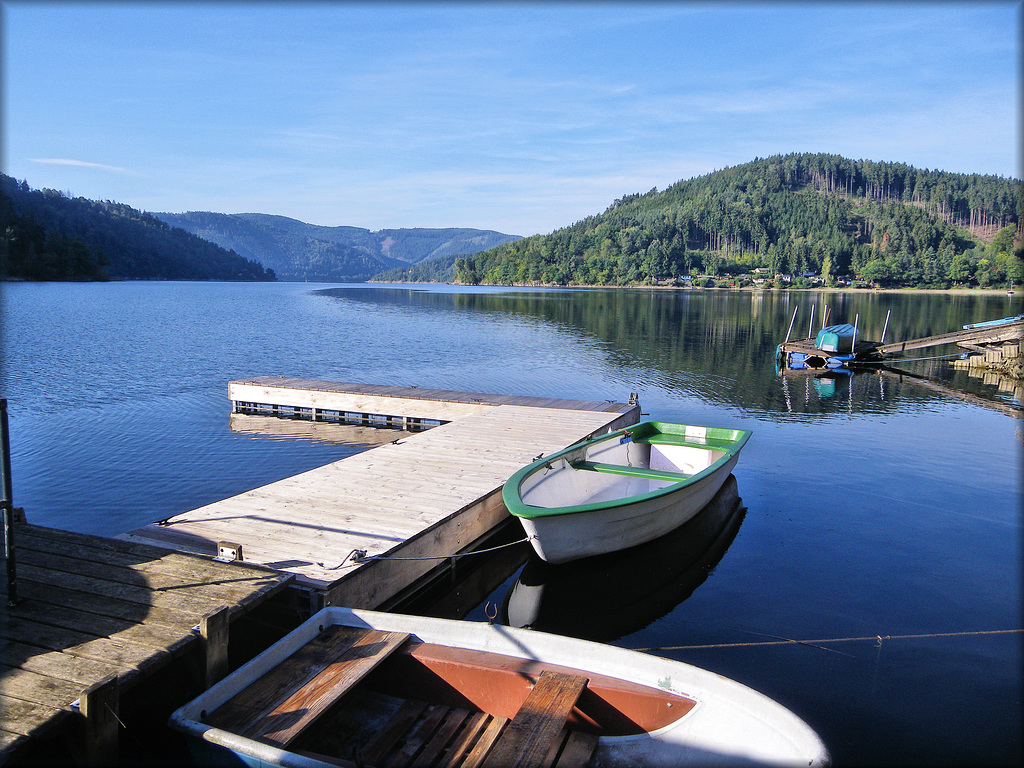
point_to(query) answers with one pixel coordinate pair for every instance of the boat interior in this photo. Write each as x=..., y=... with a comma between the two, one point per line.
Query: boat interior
x=354, y=696
x=621, y=467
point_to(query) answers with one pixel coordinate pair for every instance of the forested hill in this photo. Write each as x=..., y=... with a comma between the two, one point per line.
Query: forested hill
x=48, y=235
x=791, y=215
x=300, y=251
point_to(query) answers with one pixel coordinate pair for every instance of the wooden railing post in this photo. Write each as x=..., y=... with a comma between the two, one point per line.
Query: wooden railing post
x=100, y=708
x=8, y=506
x=214, y=629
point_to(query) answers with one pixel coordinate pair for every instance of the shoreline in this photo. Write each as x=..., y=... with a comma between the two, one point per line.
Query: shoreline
x=750, y=288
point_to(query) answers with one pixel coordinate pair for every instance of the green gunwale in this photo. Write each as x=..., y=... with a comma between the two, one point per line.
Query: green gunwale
x=729, y=441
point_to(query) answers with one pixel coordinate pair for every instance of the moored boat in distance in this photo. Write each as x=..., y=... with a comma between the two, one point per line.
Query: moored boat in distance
x=995, y=323
x=621, y=489
x=839, y=339
x=350, y=687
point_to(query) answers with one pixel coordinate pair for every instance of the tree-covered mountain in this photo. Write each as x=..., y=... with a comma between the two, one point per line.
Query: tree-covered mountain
x=440, y=269
x=887, y=223
x=48, y=235
x=300, y=251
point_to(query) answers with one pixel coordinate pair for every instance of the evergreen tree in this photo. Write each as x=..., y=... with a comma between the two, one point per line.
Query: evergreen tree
x=887, y=222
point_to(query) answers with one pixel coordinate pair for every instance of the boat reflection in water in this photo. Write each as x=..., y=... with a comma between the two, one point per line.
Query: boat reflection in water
x=607, y=597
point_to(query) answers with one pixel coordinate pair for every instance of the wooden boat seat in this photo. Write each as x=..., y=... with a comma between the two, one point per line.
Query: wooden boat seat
x=534, y=731
x=687, y=442
x=622, y=469
x=421, y=735
x=280, y=705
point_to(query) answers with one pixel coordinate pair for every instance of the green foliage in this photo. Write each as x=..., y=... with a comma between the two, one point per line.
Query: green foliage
x=792, y=214
x=48, y=235
x=441, y=269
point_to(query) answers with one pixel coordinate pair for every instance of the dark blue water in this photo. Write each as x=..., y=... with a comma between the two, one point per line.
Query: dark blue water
x=871, y=507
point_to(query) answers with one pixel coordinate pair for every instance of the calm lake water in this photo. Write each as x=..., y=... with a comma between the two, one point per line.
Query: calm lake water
x=871, y=507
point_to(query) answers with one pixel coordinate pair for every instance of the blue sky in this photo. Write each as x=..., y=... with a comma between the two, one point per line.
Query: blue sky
x=517, y=117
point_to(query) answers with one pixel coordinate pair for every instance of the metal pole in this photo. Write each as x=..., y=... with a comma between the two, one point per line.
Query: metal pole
x=8, y=506
x=790, y=331
x=810, y=324
x=885, y=327
x=853, y=349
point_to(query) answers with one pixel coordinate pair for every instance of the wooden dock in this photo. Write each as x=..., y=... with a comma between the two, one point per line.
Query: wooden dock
x=980, y=338
x=976, y=338
x=383, y=406
x=97, y=616
x=411, y=503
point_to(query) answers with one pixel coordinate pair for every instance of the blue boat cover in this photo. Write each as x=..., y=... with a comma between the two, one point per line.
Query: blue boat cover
x=835, y=338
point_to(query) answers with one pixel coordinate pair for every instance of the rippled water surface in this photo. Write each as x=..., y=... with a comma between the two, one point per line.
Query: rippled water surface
x=875, y=518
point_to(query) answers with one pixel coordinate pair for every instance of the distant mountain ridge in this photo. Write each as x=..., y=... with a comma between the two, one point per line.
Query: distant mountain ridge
x=797, y=219
x=296, y=250
x=49, y=235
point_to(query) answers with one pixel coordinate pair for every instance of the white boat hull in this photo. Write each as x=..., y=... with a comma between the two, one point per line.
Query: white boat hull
x=621, y=489
x=730, y=723
x=561, y=538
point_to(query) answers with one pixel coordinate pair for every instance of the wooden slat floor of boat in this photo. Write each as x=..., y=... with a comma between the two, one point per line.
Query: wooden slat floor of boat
x=379, y=500
x=440, y=395
x=91, y=607
x=421, y=734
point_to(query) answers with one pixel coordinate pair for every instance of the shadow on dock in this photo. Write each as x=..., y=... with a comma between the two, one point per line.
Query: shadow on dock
x=96, y=617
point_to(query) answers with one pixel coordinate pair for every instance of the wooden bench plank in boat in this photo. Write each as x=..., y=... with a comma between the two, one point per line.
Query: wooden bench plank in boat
x=283, y=725
x=526, y=741
x=622, y=469
x=282, y=703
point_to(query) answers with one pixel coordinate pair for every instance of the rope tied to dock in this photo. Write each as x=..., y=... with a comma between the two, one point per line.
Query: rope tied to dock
x=877, y=639
x=936, y=357
x=359, y=556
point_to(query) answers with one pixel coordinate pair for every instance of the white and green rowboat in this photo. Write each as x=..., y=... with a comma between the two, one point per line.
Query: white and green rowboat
x=621, y=489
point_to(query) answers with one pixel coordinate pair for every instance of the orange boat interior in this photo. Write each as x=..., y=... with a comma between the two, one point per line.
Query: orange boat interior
x=499, y=685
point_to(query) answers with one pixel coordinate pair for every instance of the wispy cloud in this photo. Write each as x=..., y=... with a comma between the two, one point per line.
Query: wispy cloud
x=76, y=163
x=516, y=117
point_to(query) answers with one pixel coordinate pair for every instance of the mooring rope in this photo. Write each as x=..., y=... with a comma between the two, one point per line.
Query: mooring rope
x=359, y=556
x=936, y=357
x=817, y=643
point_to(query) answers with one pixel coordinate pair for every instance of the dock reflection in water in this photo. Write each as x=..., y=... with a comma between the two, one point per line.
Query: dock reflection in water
x=293, y=428
x=607, y=597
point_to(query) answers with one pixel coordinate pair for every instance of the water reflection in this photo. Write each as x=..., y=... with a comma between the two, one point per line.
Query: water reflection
x=717, y=346
x=814, y=391
x=605, y=598
x=283, y=428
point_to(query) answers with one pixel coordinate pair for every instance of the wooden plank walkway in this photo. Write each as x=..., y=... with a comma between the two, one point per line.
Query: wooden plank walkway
x=972, y=338
x=91, y=608
x=426, y=495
